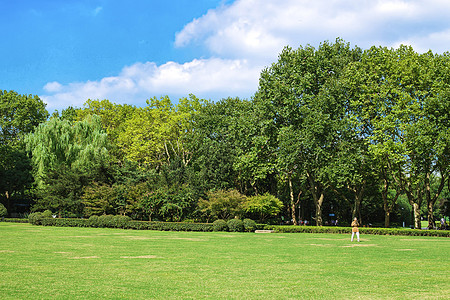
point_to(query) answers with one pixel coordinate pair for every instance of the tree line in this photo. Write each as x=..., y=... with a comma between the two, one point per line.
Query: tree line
x=332, y=133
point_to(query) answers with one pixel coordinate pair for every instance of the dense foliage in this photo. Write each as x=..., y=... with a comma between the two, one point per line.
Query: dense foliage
x=332, y=133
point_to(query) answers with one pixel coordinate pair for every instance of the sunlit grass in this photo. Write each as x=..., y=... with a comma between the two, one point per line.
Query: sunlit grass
x=79, y=263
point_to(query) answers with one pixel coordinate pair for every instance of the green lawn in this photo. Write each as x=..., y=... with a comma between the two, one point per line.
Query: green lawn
x=77, y=263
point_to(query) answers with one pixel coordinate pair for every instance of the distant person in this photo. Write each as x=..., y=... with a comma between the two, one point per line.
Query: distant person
x=443, y=223
x=355, y=229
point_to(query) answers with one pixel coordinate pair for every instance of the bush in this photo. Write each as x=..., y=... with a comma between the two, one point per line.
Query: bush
x=106, y=221
x=65, y=222
x=235, y=225
x=121, y=221
x=47, y=214
x=170, y=226
x=220, y=225
x=93, y=221
x=35, y=218
x=249, y=225
x=3, y=211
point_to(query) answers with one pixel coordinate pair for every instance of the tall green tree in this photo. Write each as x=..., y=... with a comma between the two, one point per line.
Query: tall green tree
x=216, y=142
x=302, y=108
x=403, y=97
x=61, y=191
x=19, y=115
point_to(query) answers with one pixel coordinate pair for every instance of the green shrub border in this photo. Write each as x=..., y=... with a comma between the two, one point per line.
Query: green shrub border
x=363, y=230
x=127, y=223
x=14, y=220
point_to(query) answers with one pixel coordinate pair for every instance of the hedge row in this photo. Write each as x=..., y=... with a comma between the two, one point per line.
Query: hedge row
x=14, y=220
x=108, y=221
x=363, y=230
x=170, y=226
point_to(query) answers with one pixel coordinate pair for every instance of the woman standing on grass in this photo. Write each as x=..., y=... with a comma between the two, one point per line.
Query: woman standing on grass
x=355, y=229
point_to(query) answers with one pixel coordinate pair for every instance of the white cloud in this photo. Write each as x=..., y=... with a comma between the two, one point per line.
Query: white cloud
x=247, y=35
x=53, y=87
x=207, y=78
x=261, y=28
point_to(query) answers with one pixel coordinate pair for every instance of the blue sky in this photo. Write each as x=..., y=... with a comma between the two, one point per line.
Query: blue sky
x=129, y=51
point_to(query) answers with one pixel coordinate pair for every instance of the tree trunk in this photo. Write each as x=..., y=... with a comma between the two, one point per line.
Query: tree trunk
x=417, y=224
x=431, y=223
x=318, y=202
x=387, y=214
x=356, y=208
x=359, y=192
x=431, y=200
x=388, y=205
x=8, y=203
x=291, y=194
x=318, y=197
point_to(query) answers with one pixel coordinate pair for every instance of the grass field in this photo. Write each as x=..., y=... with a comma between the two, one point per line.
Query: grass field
x=86, y=263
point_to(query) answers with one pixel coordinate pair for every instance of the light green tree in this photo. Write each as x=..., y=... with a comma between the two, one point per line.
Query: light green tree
x=113, y=119
x=154, y=134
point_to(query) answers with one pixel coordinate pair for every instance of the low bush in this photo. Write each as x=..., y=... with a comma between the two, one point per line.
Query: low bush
x=15, y=220
x=35, y=218
x=170, y=226
x=65, y=222
x=121, y=221
x=105, y=221
x=235, y=225
x=93, y=221
x=220, y=225
x=249, y=225
x=108, y=221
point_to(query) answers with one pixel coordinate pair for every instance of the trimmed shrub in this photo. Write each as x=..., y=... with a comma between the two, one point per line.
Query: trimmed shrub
x=220, y=225
x=106, y=221
x=65, y=222
x=235, y=225
x=35, y=218
x=121, y=221
x=249, y=225
x=170, y=226
x=15, y=220
x=3, y=211
x=93, y=221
